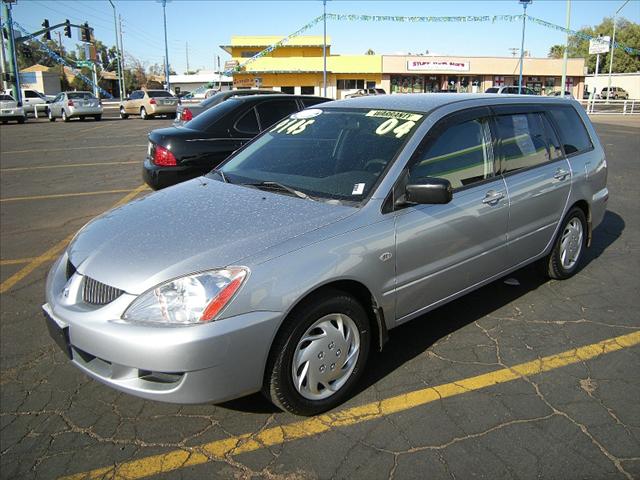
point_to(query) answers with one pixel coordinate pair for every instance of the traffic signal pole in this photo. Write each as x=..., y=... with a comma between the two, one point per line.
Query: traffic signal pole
x=12, y=58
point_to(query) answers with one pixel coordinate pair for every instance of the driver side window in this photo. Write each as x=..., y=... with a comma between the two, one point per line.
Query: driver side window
x=460, y=153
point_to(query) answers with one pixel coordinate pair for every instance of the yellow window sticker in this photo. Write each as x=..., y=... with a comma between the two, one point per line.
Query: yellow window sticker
x=414, y=117
x=292, y=126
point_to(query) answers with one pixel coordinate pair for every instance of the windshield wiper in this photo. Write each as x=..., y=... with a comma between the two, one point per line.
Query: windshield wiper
x=275, y=186
x=222, y=175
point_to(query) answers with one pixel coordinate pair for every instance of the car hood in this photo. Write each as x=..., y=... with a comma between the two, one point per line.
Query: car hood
x=194, y=226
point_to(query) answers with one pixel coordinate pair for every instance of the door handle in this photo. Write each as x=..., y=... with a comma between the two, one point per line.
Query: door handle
x=561, y=174
x=492, y=197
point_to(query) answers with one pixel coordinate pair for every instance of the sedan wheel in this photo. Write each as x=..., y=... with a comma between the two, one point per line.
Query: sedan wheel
x=319, y=354
x=123, y=114
x=51, y=117
x=143, y=114
x=64, y=116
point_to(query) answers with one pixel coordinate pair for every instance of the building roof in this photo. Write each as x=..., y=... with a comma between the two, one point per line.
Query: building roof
x=263, y=41
x=36, y=68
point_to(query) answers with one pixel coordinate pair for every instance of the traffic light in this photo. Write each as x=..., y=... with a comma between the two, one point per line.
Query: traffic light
x=85, y=33
x=47, y=34
x=67, y=28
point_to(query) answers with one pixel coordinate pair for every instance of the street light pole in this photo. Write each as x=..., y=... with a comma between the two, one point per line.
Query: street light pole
x=166, y=47
x=324, y=47
x=115, y=25
x=613, y=43
x=566, y=50
x=524, y=24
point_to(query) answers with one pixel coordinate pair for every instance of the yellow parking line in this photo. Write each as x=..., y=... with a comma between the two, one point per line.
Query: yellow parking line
x=248, y=442
x=17, y=261
x=70, y=165
x=57, y=248
x=64, y=195
x=89, y=147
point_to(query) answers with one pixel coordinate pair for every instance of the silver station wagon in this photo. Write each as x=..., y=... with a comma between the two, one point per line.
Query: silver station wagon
x=282, y=269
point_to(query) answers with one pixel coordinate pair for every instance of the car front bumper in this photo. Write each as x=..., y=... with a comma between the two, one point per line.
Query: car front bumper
x=212, y=362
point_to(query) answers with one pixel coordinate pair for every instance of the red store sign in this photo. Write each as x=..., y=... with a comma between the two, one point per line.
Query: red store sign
x=445, y=65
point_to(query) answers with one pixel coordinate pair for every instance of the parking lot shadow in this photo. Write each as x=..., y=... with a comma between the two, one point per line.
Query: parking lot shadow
x=415, y=337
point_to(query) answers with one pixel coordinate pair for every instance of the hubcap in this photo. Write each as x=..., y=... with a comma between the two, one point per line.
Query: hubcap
x=325, y=356
x=571, y=243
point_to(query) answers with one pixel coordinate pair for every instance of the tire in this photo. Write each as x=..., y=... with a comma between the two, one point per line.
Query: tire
x=143, y=114
x=64, y=116
x=4, y=122
x=51, y=117
x=97, y=118
x=123, y=114
x=82, y=119
x=171, y=116
x=23, y=119
x=323, y=312
x=568, y=249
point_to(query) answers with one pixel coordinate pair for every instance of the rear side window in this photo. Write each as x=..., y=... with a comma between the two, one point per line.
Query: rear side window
x=573, y=134
x=459, y=154
x=272, y=111
x=491, y=90
x=523, y=141
x=248, y=123
x=309, y=102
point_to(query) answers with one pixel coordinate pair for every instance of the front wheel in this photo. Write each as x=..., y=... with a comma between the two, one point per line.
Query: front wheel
x=318, y=355
x=22, y=119
x=569, y=246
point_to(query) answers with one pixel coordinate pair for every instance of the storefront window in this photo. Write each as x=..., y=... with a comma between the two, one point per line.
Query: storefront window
x=464, y=84
x=407, y=84
x=452, y=84
x=348, y=84
x=549, y=85
x=476, y=85
x=307, y=90
x=290, y=90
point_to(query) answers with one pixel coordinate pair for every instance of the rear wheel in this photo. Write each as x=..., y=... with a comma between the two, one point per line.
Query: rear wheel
x=319, y=354
x=64, y=116
x=143, y=114
x=51, y=117
x=123, y=114
x=22, y=119
x=82, y=119
x=569, y=246
x=97, y=118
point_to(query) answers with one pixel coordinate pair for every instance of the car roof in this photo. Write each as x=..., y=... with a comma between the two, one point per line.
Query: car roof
x=426, y=102
x=273, y=96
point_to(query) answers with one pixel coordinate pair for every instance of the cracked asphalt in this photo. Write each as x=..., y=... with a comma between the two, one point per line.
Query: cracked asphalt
x=432, y=404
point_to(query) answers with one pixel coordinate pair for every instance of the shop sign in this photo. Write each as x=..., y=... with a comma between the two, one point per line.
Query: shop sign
x=427, y=65
x=243, y=81
x=599, y=45
x=230, y=65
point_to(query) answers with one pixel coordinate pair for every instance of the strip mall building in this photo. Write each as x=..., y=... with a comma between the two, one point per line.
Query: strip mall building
x=298, y=68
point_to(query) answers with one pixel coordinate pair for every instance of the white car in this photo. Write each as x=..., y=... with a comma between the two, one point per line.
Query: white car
x=68, y=105
x=32, y=99
x=9, y=109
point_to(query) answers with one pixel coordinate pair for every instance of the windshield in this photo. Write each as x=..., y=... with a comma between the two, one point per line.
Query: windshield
x=6, y=98
x=327, y=154
x=491, y=90
x=158, y=94
x=80, y=95
x=210, y=117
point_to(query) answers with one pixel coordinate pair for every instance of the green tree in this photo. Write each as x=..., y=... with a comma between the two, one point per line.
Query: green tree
x=370, y=52
x=556, y=51
x=627, y=33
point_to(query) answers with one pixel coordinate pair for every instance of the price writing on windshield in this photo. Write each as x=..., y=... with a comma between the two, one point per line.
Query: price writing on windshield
x=292, y=126
x=398, y=123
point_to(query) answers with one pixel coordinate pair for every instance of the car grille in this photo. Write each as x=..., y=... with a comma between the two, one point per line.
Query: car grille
x=97, y=293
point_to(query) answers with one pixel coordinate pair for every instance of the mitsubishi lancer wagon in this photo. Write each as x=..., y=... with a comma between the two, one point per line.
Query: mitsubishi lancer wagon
x=282, y=269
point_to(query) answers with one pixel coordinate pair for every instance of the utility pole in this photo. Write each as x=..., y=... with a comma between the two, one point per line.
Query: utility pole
x=115, y=29
x=166, y=46
x=187, y=45
x=124, y=85
x=12, y=58
x=566, y=50
x=613, y=48
x=3, y=65
x=524, y=3
x=324, y=47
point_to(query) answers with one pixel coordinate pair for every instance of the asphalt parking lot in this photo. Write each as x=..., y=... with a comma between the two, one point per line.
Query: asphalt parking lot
x=525, y=379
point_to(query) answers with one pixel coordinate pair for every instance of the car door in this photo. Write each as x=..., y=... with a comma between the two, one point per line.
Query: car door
x=131, y=106
x=537, y=175
x=60, y=101
x=271, y=111
x=441, y=250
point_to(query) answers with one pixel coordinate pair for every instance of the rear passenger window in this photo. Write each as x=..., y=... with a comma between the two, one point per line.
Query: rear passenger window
x=272, y=111
x=459, y=154
x=573, y=134
x=522, y=141
x=248, y=123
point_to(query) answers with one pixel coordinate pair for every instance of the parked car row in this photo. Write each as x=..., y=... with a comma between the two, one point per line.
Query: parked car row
x=284, y=267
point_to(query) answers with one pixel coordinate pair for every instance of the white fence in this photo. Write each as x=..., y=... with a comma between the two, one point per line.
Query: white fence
x=600, y=106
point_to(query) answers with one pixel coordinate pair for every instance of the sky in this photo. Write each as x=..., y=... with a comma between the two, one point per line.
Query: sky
x=205, y=25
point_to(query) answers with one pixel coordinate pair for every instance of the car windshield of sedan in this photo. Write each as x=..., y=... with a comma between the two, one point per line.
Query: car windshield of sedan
x=80, y=96
x=326, y=154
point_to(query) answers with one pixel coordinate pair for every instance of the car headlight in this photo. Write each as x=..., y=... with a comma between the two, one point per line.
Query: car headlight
x=189, y=300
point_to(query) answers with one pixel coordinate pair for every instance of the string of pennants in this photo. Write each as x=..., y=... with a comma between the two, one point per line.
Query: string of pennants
x=43, y=46
x=419, y=19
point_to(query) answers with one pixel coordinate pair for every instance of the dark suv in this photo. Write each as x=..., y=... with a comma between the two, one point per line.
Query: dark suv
x=176, y=154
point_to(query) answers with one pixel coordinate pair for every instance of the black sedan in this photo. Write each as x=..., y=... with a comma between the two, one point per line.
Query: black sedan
x=177, y=154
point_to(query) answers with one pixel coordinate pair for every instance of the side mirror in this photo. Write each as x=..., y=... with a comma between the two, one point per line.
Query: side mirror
x=429, y=191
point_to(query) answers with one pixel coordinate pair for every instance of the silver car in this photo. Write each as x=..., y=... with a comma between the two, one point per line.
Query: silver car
x=281, y=270
x=68, y=105
x=9, y=110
